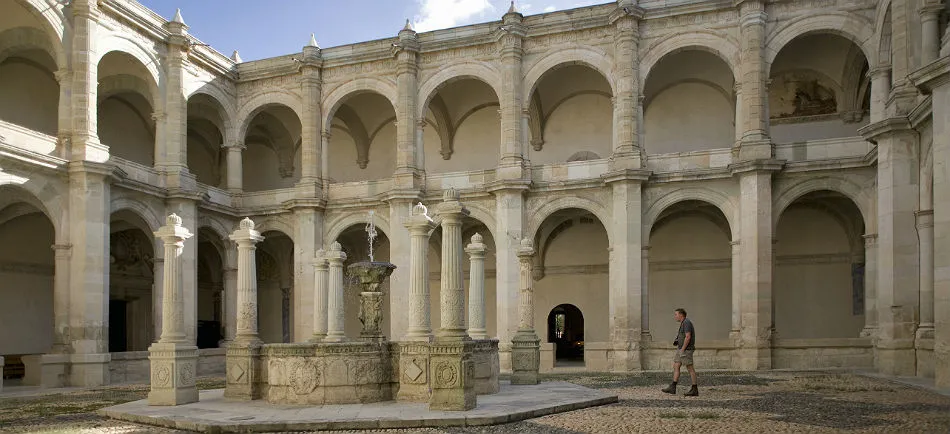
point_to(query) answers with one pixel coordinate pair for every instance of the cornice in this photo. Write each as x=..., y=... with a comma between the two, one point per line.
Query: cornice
x=872, y=132
x=932, y=76
x=34, y=159
x=635, y=175
x=522, y=185
x=763, y=165
x=921, y=113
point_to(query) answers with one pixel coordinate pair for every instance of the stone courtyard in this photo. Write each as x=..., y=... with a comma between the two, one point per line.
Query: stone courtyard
x=733, y=402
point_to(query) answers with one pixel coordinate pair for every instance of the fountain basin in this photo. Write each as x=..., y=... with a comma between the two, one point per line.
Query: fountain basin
x=371, y=273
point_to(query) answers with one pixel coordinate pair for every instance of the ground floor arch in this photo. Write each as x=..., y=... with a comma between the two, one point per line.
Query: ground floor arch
x=566, y=332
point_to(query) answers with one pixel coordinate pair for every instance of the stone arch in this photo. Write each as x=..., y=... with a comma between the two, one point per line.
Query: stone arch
x=259, y=102
x=882, y=34
x=721, y=201
x=476, y=212
x=51, y=17
x=850, y=189
x=340, y=224
x=224, y=105
x=850, y=26
x=114, y=84
x=337, y=96
x=120, y=43
x=594, y=58
x=145, y=212
x=709, y=41
x=276, y=224
x=481, y=71
x=541, y=214
x=218, y=227
x=38, y=195
x=26, y=38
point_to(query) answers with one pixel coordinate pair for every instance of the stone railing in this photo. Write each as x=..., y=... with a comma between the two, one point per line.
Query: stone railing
x=357, y=190
x=27, y=139
x=216, y=195
x=684, y=161
x=825, y=149
x=138, y=172
x=264, y=199
x=462, y=181
x=573, y=171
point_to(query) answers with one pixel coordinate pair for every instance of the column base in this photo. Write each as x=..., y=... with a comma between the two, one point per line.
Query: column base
x=525, y=358
x=896, y=357
x=755, y=150
x=89, y=370
x=453, y=376
x=868, y=332
x=46, y=370
x=942, y=364
x=504, y=357
x=754, y=359
x=243, y=371
x=625, y=357
x=173, y=367
x=413, y=372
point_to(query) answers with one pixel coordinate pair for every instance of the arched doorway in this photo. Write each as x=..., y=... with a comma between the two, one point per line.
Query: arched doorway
x=566, y=332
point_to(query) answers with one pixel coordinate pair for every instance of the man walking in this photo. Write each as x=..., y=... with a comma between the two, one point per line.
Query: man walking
x=685, y=344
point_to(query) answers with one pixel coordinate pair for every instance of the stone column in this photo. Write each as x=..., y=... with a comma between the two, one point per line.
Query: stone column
x=184, y=204
x=335, y=300
x=625, y=307
x=525, y=345
x=736, y=330
x=925, y=235
x=308, y=235
x=509, y=212
x=880, y=91
x=755, y=141
x=870, y=286
x=325, y=154
x=157, y=284
x=935, y=80
x=897, y=254
x=626, y=20
x=419, y=225
x=173, y=360
x=89, y=198
x=407, y=82
x=311, y=84
x=244, y=354
x=85, y=143
x=476, y=288
x=171, y=154
x=320, y=276
x=755, y=262
x=512, y=151
x=645, y=296
x=930, y=30
x=230, y=293
x=452, y=292
x=62, y=256
x=235, y=161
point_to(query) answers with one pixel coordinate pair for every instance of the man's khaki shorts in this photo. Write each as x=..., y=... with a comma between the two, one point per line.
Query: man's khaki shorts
x=684, y=357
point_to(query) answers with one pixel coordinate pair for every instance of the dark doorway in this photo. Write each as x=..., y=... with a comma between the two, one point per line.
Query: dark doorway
x=566, y=331
x=117, y=326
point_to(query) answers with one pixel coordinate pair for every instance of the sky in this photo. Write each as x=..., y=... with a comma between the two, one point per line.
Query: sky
x=261, y=29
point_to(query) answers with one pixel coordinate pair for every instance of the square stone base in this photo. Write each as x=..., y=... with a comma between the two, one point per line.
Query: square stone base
x=899, y=360
x=173, y=368
x=243, y=379
x=453, y=375
x=413, y=372
x=89, y=370
x=45, y=370
x=487, y=366
x=525, y=358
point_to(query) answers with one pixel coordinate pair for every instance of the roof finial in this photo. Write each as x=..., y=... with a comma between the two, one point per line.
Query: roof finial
x=408, y=25
x=512, y=9
x=313, y=41
x=236, y=57
x=178, y=18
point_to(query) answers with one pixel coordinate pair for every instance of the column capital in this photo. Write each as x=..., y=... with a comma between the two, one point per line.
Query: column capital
x=326, y=134
x=320, y=260
x=335, y=256
x=419, y=222
x=870, y=240
x=63, y=251
x=234, y=146
x=173, y=232
x=526, y=250
x=930, y=10
x=925, y=218
x=245, y=235
x=451, y=210
x=874, y=131
x=934, y=74
x=477, y=248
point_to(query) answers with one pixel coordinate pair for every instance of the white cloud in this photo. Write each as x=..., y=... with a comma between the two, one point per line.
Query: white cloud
x=441, y=14
x=551, y=8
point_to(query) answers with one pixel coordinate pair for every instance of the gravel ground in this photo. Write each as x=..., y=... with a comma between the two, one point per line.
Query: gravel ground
x=728, y=403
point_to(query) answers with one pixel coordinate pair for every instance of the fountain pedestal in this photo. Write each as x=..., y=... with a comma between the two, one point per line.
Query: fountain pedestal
x=371, y=276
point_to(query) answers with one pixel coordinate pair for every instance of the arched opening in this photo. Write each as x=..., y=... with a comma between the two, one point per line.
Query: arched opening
x=690, y=266
x=131, y=278
x=275, y=286
x=210, y=289
x=26, y=270
x=566, y=332
x=689, y=103
x=571, y=267
x=470, y=226
x=362, y=145
x=819, y=89
x=570, y=110
x=271, y=158
x=125, y=107
x=206, y=159
x=462, y=127
x=29, y=91
x=355, y=243
x=819, y=268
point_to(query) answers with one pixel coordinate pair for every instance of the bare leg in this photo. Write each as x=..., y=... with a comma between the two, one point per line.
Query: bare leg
x=676, y=371
x=692, y=373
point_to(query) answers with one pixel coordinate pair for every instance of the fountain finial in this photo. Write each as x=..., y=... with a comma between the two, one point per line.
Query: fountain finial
x=247, y=223
x=336, y=247
x=173, y=220
x=420, y=209
x=477, y=238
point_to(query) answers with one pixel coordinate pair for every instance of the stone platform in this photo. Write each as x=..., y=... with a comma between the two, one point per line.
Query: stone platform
x=214, y=414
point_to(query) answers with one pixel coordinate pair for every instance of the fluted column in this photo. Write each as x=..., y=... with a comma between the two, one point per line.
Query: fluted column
x=173, y=359
x=335, y=300
x=247, y=238
x=626, y=152
x=235, y=167
x=930, y=30
x=452, y=293
x=419, y=225
x=755, y=141
x=525, y=350
x=512, y=152
x=476, y=288
x=320, y=286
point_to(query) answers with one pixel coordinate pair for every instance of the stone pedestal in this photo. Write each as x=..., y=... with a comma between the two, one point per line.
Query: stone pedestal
x=525, y=345
x=371, y=316
x=453, y=376
x=173, y=359
x=45, y=370
x=413, y=372
x=243, y=371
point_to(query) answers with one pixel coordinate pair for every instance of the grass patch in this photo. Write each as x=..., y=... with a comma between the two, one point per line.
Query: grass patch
x=838, y=383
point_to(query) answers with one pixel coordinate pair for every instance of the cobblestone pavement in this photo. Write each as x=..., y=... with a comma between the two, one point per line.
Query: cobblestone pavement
x=728, y=402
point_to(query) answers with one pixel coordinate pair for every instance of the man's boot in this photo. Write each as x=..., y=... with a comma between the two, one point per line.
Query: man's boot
x=693, y=391
x=671, y=389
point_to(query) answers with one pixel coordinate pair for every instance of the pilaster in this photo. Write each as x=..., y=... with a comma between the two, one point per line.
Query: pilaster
x=400, y=210
x=511, y=36
x=230, y=294
x=171, y=152
x=625, y=270
x=406, y=50
x=311, y=87
x=510, y=226
x=870, y=286
x=476, y=287
x=84, y=143
x=930, y=30
x=321, y=275
x=755, y=142
x=235, y=167
x=308, y=237
x=626, y=147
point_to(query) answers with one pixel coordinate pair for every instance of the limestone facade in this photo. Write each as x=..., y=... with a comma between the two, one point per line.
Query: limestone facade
x=778, y=169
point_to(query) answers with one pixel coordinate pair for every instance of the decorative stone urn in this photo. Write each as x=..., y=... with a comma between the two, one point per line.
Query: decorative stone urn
x=370, y=275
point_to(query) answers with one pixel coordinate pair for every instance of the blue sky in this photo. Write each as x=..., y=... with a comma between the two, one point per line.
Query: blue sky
x=259, y=29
